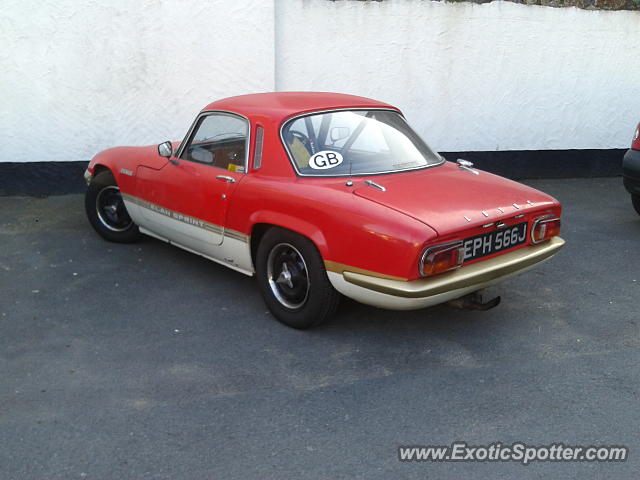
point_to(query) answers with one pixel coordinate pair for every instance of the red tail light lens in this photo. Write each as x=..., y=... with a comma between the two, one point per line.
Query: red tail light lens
x=544, y=228
x=635, y=144
x=441, y=258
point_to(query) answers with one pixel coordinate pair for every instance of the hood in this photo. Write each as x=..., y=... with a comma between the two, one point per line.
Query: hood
x=441, y=197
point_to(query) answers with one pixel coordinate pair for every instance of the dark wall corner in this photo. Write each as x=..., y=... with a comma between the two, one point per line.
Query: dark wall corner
x=41, y=178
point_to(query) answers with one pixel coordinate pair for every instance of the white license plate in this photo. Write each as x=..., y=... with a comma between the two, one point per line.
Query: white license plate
x=496, y=241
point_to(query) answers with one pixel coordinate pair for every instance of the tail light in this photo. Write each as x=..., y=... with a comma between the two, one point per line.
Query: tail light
x=544, y=228
x=635, y=144
x=441, y=258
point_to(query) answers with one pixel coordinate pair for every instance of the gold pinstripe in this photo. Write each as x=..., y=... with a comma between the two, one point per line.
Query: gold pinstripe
x=342, y=268
x=211, y=227
x=330, y=265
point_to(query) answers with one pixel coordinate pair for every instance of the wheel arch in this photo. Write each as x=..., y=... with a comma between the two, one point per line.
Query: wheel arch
x=122, y=233
x=264, y=223
x=100, y=167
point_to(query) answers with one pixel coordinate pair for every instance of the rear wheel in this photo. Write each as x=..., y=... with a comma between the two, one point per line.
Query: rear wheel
x=293, y=280
x=635, y=199
x=106, y=210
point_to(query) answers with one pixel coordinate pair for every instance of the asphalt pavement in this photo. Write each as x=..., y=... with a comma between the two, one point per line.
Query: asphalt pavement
x=144, y=361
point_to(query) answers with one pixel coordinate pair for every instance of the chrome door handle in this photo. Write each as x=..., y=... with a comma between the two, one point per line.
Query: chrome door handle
x=226, y=178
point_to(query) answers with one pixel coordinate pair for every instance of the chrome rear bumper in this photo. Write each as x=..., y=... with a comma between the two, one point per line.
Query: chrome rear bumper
x=478, y=274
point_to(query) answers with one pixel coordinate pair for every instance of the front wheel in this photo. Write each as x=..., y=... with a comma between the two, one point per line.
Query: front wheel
x=635, y=199
x=293, y=280
x=106, y=210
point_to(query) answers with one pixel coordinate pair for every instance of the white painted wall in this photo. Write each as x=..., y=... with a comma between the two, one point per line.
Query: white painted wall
x=78, y=76
x=497, y=76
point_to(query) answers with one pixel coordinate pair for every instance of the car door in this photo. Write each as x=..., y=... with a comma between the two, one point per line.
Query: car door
x=188, y=198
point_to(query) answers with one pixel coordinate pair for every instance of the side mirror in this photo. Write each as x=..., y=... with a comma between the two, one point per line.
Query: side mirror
x=165, y=150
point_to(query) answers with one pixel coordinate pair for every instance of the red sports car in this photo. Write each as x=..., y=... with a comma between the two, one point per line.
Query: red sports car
x=322, y=194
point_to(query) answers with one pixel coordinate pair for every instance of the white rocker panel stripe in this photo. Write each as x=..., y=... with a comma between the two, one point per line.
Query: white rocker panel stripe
x=225, y=246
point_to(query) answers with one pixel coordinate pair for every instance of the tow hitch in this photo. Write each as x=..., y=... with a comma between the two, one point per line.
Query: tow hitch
x=473, y=301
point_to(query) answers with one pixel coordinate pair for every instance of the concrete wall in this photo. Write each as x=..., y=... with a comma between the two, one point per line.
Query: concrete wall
x=81, y=75
x=78, y=76
x=496, y=76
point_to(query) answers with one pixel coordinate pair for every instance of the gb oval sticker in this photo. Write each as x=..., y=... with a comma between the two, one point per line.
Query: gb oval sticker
x=325, y=159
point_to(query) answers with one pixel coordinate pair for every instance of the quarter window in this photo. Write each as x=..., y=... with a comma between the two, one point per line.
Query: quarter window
x=219, y=140
x=257, y=155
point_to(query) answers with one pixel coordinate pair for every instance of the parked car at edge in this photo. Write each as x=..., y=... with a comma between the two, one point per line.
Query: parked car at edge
x=631, y=170
x=322, y=194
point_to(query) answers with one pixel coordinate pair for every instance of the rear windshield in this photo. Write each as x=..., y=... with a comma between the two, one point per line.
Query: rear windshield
x=355, y=142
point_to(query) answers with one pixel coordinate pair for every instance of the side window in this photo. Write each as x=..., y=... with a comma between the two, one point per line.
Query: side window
x=219, y=140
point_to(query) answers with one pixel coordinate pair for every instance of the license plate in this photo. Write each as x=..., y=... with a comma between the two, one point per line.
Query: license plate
x=496, y=241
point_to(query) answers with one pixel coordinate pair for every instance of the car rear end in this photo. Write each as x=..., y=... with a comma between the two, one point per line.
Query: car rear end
x=465, y=262
x=631, y=169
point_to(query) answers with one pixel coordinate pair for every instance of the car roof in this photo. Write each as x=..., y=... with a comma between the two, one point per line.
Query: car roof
x=282, y=105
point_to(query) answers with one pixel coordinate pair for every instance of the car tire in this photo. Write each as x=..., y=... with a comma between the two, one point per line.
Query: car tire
x=635, y=199
x=293, y=280
x=106, y=210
